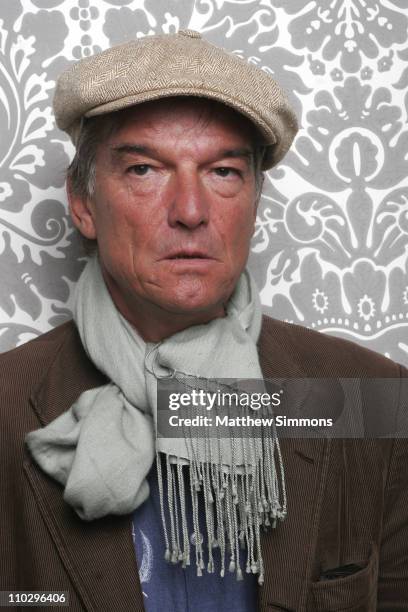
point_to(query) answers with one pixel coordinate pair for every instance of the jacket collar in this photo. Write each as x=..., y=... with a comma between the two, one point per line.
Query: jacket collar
x=70, y=372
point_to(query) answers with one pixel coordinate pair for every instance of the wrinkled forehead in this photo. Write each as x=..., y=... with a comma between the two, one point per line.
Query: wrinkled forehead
x=182, y=114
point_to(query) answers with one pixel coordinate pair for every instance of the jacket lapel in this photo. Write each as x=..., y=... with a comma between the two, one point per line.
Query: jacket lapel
x=98, y=556
x=288, y=550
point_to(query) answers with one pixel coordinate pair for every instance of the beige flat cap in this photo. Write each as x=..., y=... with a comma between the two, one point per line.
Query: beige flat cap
x=182, y=64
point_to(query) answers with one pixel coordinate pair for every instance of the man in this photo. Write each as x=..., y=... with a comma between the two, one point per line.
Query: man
x=172, y=135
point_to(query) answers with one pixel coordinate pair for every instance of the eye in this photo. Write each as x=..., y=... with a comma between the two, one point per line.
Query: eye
x=139, y=169
x=225, y=171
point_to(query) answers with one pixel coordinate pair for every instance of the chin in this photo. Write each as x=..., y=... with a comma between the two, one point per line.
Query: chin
x=192, y=307
x=199, y=297
x=188, y=303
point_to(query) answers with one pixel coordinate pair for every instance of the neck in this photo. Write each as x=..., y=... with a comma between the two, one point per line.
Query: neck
x=152, y=322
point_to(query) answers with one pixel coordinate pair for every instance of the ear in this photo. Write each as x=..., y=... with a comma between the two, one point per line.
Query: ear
x=82, y=212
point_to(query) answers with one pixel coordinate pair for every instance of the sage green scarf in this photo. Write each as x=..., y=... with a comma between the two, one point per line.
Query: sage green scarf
x=102, y=449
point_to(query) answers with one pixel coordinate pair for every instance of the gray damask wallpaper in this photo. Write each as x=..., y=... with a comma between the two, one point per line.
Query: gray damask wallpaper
x=331, y=245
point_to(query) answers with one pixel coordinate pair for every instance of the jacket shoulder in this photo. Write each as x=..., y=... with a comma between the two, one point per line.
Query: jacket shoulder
x=320, y=355
x=22, y=372
x=25, y=365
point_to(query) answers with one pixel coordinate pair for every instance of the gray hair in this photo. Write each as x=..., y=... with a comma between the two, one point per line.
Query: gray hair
x=82, y=170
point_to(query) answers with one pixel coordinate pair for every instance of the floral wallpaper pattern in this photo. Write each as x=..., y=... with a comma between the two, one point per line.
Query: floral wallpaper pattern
x=330, y=250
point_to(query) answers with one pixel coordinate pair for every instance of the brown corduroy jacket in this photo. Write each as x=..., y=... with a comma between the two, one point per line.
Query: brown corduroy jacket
x=347, y=499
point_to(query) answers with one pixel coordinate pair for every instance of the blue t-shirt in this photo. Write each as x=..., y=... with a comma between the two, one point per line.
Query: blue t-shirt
x=170, y=588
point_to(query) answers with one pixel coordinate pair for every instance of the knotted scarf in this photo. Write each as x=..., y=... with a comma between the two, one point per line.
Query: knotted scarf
x=103, y=447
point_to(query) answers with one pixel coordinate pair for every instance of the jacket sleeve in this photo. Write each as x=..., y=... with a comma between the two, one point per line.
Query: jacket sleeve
x=393, y=563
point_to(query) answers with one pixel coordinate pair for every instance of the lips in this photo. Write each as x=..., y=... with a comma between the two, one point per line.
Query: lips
x=187, y=254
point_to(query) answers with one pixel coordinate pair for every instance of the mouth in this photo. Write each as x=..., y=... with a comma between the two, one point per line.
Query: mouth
x=188, y=255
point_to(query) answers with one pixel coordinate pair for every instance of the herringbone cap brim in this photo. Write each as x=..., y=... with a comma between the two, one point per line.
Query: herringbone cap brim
x=167, y=65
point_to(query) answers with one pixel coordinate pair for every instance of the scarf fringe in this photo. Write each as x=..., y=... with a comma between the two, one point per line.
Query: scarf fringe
x=236, y=505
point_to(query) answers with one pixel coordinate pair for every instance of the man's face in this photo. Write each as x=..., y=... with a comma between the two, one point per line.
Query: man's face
x=174, y=206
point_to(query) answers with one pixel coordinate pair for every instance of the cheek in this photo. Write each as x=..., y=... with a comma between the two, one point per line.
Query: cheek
x=141, y=210
x=237, y=228
x=123, y=223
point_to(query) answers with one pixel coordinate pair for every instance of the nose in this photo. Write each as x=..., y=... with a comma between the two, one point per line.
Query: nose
x=189, y=207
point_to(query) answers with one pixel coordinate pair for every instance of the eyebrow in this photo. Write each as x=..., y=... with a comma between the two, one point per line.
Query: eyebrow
x=244, y=152
x=125, y=148
x=136, y=149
